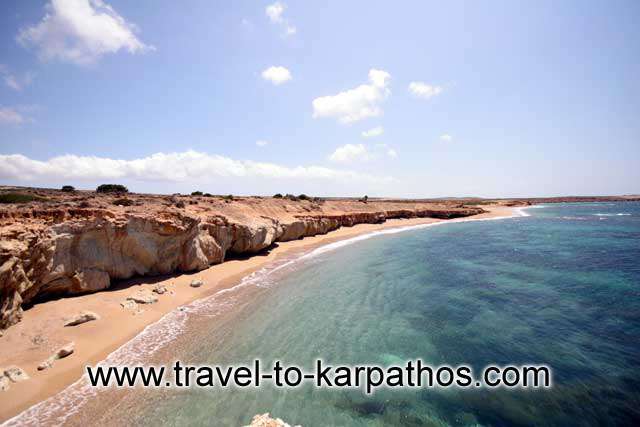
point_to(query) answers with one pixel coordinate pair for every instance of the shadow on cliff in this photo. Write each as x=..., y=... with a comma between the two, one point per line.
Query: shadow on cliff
x=119, y=284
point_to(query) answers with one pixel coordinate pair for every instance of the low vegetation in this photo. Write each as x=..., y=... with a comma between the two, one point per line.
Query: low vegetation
x=112, y=188
x=20, y=198
x=197, y=193
x=68, y=188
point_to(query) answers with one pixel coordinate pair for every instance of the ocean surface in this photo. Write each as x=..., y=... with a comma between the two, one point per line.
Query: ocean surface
x=559, y=287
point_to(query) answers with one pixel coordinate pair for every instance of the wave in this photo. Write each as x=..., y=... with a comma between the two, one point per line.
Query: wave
x=58, y=408
x=612, y=214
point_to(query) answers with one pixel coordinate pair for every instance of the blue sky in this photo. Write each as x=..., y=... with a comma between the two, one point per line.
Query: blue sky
x=492, y=99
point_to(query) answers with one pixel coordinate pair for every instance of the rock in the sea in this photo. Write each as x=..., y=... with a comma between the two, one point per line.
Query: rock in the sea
x=84, y=317
x=143, y=297
x=4, y=383
x=160, y=289
x=265, y=420
x=196, y=283
x=15, y=374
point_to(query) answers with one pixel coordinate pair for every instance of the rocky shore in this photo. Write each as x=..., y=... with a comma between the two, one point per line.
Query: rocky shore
x=74, y=243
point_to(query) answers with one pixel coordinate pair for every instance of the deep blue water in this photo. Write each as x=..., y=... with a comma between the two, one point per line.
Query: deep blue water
x=560, y=287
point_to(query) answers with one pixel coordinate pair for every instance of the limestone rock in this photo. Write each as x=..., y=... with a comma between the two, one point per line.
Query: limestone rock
x=143, y=297
x=83, y=317
x=62, y=352
x=264, y=420
x=4, y=383
x=65, y=350
x=160, y=289
x=45, y=364
x=196, y=283
x=15, y=374
x=129, y=305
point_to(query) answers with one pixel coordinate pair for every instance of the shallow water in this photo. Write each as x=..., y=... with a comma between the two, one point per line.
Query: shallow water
x=560, y=287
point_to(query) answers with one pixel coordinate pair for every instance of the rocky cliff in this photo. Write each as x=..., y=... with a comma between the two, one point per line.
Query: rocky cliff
x=75, y=244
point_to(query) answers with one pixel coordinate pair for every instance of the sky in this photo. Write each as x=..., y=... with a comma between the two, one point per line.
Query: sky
x=328, y=98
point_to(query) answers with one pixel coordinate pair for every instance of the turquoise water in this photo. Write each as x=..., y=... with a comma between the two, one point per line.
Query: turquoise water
x=560, y=287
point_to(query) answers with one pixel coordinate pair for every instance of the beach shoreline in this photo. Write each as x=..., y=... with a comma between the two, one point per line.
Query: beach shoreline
x=41, y=332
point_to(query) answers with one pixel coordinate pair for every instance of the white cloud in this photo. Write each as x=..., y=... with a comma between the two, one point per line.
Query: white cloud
x=14, y=81
x=262, y=143
x=276, y=75
x=423, y=90
x=358, y=103
x=371, y=133
x=275, y=13
x=81, y=32
x=349, y=153
x=392, y=153
x=11, y=116
x=446, y=137
x=171, y=167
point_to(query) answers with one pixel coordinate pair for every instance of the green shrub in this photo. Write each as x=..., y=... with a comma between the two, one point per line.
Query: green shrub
x=291, y=197
x=277, y=196
x=303, y=197
x=228, y=198
x=208, y=195
x=197, y=193
x=112, y=188
x=68, y=188
x=20, y=198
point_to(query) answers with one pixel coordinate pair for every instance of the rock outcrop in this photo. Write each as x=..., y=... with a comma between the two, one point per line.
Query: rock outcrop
x=50, y=250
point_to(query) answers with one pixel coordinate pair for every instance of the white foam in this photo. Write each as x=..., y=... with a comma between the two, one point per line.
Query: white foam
x=58, y=408
x=612, y=214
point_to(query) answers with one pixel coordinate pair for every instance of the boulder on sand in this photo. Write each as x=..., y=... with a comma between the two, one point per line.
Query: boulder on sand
x=196, y=283
x=62, y=352
x=80, y=318
x=143, y=297
x=15, y=374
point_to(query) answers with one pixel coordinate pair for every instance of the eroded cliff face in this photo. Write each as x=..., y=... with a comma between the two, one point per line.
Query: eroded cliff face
x=57, y=251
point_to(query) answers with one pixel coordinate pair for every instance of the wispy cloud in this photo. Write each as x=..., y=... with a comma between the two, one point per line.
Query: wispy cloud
x=11, y=116
x=81, y=32
x=446, y=137
x=358, y=103
x=276, y=75
x=424, y=90
x=262, y=143
x=15, y=81
x=351, y=153
x=275, y=14
x=372, y=133
x=173, y=167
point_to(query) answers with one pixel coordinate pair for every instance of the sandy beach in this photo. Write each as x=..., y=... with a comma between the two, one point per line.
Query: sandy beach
x=42, y=330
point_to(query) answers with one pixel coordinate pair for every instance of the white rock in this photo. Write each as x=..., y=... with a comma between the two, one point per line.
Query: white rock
x=129, y=305
x=4, y=383
x=160, y=289
x=15, y=374
x=143, y=297
x=80, y=318
x=46, y=364
x=196, y=283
